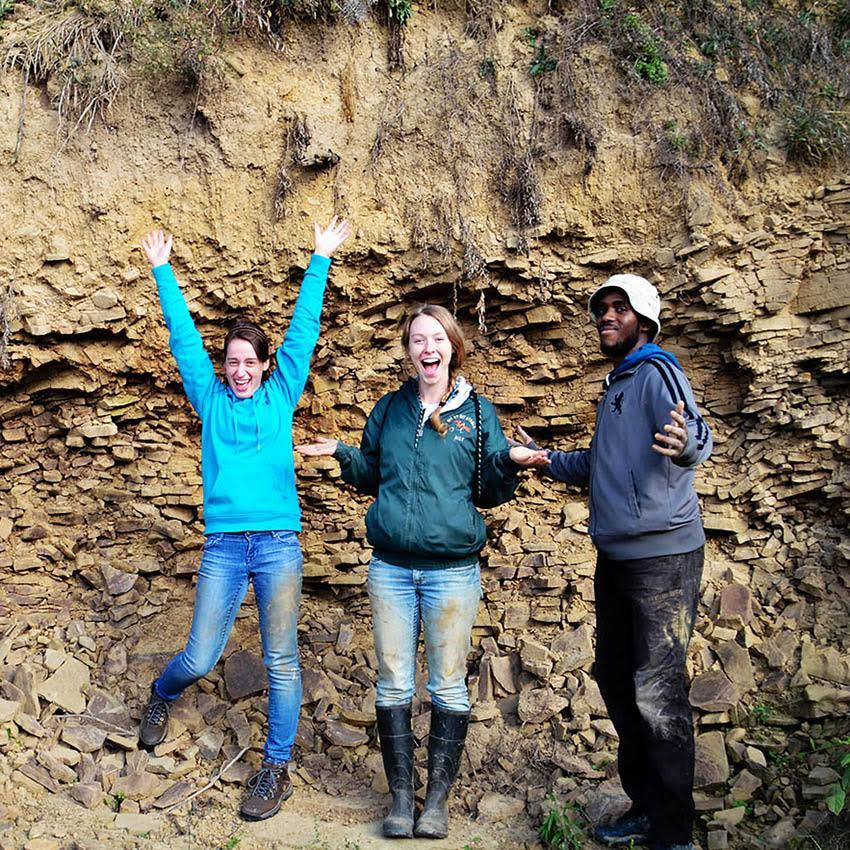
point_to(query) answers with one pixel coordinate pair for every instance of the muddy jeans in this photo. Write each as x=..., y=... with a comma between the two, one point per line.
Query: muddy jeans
x=645, y=611
x=446, y=602
x=272, y=561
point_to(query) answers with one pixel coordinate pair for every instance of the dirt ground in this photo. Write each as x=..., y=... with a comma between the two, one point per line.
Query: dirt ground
x=309, y=821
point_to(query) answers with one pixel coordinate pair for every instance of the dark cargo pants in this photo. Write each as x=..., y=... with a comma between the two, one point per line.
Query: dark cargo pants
x=645, y=611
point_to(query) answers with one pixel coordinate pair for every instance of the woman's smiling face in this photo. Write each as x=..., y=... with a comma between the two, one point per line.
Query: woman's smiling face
x=430, y=350
x=243, y=369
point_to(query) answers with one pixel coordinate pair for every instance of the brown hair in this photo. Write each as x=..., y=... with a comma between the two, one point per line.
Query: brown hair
x=455, y=335
x=249, y=331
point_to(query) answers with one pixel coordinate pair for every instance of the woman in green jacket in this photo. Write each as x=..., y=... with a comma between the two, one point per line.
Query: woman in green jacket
x=432, y=451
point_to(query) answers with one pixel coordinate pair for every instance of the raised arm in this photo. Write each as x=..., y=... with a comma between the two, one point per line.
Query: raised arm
x=196, y=368
x=293, y=356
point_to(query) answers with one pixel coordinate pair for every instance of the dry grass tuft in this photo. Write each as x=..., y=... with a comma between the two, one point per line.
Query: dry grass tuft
x=78, y=48
x=516, y=176
x=296, y=139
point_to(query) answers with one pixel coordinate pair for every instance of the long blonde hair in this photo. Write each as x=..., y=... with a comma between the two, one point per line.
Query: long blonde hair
x=455, y=335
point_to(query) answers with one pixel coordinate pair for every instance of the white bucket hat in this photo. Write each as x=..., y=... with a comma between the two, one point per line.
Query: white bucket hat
x=643, y=297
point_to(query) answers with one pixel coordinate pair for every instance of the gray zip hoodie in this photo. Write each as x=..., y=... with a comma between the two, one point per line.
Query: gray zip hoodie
x=642, y=504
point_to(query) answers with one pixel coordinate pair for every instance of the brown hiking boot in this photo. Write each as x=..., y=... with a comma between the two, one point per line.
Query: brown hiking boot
x=267, y=789
x=153, y=726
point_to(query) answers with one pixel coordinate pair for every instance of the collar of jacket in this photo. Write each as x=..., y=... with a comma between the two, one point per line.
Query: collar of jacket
x=460, y=393
x=646, y=352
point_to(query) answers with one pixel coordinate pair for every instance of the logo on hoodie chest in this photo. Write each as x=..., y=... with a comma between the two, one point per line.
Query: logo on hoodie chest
x=460, y=426
x=617, y=403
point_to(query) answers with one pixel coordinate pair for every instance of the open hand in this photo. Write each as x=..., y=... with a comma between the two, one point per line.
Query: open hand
x=323, y=447
x=529, y=457
x=157, y=247
x=329, y=239
x=675, y=437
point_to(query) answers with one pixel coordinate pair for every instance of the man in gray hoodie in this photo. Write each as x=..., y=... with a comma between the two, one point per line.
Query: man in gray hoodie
x=645, y=523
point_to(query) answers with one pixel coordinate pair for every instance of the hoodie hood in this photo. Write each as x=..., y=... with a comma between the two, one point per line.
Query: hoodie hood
x=646, y=352
x=459, y=394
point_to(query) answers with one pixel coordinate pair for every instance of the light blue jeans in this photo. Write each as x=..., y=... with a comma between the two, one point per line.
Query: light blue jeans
x=446, y=603
x=272, y=561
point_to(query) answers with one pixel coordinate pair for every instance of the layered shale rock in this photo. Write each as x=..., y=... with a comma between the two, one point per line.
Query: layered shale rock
x=100, y=492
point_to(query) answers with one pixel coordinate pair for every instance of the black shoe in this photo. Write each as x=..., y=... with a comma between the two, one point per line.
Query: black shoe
x=267, y=789
x=445, y=747
x=623, y=830
x=397, y=752
x=153, y=726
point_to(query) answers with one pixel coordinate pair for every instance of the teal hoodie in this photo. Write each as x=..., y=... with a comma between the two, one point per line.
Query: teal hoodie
x=247, y=464
x=424, y=516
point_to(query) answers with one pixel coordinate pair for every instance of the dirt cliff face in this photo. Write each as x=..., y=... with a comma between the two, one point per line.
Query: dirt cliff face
x=464, y=190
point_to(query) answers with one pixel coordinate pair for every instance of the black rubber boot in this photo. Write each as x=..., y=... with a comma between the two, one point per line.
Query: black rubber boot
x=397, y=752
x=445, y=747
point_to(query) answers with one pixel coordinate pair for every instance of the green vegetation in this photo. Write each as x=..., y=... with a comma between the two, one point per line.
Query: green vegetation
x=117, y=800
x=836, y=802
x=760, y=714
x=675, y=137
x=542, y=62
x=231, y=843
x=815, y=130
x=747, y=805
x=400, y=10
x=645, y=48
x=487, y=68
x=737, y=69
x=563, y=828
x=91, y=48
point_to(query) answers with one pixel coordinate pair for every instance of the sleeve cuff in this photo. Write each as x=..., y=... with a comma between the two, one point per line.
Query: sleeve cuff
x=162, y=272
x=342, y=452
x=507, y=463
x=319, y=262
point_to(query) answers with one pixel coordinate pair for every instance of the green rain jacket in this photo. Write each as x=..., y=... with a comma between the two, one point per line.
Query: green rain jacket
x=424, y=516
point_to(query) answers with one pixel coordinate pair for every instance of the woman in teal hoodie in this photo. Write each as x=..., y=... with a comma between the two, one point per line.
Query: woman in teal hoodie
x=251, y=508
x=431, y=452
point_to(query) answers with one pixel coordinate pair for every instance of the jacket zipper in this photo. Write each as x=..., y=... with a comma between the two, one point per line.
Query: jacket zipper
x=420, y=429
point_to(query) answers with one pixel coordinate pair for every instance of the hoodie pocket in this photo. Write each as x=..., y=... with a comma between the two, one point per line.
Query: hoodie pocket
x=634, y=501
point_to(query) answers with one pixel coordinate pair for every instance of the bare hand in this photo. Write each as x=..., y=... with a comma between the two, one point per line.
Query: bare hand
x=323, y=447
x=328, y=240
x=529, y=457
x=672, y=443
x=157, y=247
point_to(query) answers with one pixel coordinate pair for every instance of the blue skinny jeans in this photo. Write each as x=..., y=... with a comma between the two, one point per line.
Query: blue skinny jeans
x=446, y=603
x=272, y=561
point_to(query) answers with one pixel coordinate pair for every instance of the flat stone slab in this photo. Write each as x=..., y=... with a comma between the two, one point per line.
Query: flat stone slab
x=65, y=687
x=495, y=807
x=244, y=674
